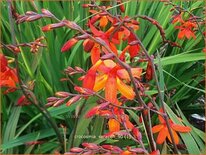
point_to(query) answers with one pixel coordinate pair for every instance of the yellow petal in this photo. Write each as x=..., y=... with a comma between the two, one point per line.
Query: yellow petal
x=176, y=138
x=136, y=72
x=114, y=126
x=125, y=90
x=100, y=82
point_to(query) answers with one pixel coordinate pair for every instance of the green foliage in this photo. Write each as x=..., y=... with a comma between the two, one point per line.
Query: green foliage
x=179, y=69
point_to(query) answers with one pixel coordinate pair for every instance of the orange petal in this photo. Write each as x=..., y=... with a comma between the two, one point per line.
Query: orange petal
x=8, y=83
x=126, y=33
x=136, y=72
x=181, y=34
x=111, y=89
x=14, y=75
x=113, y=48
x=157, y=128
x=95, y=53
x=69, y=44
x=103, y=21
x=181, y=128
x=89, y=79
x=176, y=137
x=114, y=125
x=162, y=135
x=125, y=90
x=100, y=82
x=94, y=30
x=128, y=123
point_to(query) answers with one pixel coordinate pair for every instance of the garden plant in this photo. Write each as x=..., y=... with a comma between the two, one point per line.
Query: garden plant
x=102, y=77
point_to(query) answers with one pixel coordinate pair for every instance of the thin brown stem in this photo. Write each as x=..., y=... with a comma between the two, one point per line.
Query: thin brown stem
x=158, y=88
x=130, y=134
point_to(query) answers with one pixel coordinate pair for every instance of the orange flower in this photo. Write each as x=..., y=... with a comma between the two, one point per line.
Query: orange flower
x=186, y=30
x=164, y=133
x=7, y=74
x=108, y=75
x=185, y=27
x=103, y=19
x=114, y=124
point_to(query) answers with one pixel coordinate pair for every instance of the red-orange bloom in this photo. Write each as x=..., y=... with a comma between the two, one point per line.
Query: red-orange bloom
x=108, y=75
x=103, y=19
x=164, y=133
x=185, y=27
x=7, y=74
x=114, y=124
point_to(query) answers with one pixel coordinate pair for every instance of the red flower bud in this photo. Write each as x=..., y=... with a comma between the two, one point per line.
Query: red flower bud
x=22, y=101
x=46, y=28
x=69, y=44
x=137, y=133
x=91, y=146
x=76, y=149
x=92, y=112
x=88, y=45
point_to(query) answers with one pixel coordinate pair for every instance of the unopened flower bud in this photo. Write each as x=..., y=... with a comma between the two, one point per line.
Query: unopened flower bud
x=76, y=149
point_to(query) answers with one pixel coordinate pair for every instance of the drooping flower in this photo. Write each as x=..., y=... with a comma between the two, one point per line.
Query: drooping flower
x=164, y=133
x=109, y=76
